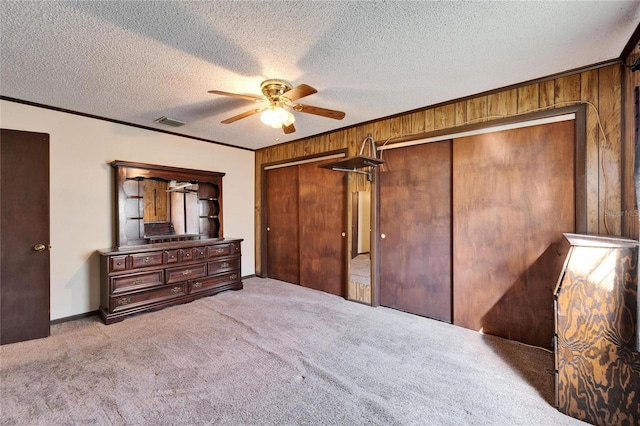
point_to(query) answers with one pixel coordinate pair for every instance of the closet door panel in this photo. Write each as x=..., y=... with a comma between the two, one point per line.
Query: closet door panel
x=322, y=194
x=513, y=198
x=283, y=261
x=415, y=218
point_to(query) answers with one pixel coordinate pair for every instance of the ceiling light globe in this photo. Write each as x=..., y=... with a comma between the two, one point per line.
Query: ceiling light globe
x=269, y=117
x=290, y=119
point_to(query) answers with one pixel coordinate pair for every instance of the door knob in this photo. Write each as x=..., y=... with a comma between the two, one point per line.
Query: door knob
x=39, y=247
x=383, y=236
x=268, y=229
x=344, y=234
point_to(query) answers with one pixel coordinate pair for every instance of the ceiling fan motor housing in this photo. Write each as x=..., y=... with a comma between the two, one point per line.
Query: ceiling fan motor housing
x=274, y=89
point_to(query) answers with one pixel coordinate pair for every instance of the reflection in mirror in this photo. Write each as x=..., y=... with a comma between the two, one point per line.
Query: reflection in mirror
x=361, y=238
x=168, y=209
x=161, y=204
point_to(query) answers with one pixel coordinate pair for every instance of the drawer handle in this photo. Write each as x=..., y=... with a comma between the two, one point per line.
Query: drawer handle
x=197, y=284
x=176, y=290
x=201, y=253
x=147, y=259
x=137, y=281
x=123, y=301
x=187, y=254
x=219, y=250
x=224, y=265
x=233, y=276
x=118, y=263
x=187, y=272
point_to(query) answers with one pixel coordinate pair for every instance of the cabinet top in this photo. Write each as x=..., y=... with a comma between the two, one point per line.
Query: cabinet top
x=168, y=246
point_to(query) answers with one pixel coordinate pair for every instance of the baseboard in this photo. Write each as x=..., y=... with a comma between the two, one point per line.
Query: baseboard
x=73, y=317
x=249, y=276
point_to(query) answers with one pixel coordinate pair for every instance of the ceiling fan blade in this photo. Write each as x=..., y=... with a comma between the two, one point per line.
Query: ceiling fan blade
x=299, y=92
x=323, y=112
x=241, y=116
x=236, y=95
x=288, y=129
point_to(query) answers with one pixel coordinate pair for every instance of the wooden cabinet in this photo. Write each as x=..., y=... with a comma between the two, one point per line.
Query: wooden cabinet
x=597, y=361
x=146, y=278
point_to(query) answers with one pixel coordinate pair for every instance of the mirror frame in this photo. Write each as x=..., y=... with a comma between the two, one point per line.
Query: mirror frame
x=125, y=170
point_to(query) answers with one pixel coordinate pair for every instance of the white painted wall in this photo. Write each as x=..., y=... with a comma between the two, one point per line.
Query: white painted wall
x=81, y=188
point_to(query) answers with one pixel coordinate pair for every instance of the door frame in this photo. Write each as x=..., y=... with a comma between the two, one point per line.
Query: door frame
x=580, y=179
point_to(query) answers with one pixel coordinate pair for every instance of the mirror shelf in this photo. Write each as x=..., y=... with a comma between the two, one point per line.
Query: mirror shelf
x=162, y=204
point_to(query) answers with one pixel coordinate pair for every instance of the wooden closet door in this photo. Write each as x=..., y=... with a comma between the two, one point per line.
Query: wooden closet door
x=415, y=218
x=513, y=198
x=283, y=260
x=322, y=199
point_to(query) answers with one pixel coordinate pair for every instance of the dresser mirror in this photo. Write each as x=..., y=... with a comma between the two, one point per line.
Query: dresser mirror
x=157, y=204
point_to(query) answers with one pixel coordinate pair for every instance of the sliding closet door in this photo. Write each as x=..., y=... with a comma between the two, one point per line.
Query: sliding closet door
x=283, y=260
x=322, y=201
x=415, y=219
x=513, y=198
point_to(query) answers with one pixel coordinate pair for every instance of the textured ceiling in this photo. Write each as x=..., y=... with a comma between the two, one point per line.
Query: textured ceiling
x=138, y=61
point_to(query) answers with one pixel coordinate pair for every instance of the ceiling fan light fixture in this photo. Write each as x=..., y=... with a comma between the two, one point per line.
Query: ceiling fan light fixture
x=276, y=116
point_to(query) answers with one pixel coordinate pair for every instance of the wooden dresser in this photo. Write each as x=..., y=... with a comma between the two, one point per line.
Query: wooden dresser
x=169, y=240
x=146, y=278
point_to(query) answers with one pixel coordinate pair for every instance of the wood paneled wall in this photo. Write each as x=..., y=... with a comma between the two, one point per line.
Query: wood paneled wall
x=605, y=157
x=631, y=228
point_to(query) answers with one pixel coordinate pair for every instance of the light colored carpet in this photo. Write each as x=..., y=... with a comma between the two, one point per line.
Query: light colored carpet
x=274, y=353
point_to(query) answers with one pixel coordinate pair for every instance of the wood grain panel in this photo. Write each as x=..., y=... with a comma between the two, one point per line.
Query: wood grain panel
x=502, y=104
x=282, y=222
x=156, y=202
x=461, y=113
x=513, y=198
x=396, y=127
x=415, y=216
x=589, y=93
x=631, y=228
x=567, y=89
x=322, y=218
x=546, y=94
x=445, y=116
x=610, y=149
x=418, y=122
x=429, y=120
x=528, y=98
x=477, y=109
x=598, y=366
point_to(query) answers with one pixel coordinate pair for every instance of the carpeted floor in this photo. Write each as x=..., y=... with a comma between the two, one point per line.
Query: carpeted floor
x=274, y=353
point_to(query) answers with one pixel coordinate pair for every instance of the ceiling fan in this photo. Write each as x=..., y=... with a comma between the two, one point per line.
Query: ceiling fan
x=279, y=94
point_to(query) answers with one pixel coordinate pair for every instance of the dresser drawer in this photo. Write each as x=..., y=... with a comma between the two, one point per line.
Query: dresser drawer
x=208, y=283
x=117, y=263
x=219, y=250
x=170, y=256
x=142, y=260
x=136, y=281
x=129, y=301
x=201, y=252
x=223, y=265
x=235, y=248
x=187, y=254
x=185, y=273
